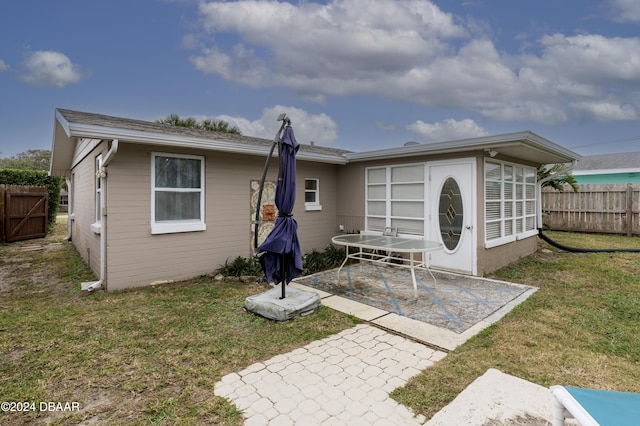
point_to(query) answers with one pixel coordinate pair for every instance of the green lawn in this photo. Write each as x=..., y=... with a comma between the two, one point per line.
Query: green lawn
x=147, y=356
x=580, y=328
x=153, y=355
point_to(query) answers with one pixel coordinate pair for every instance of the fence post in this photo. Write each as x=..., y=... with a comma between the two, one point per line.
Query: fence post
x=629, y=210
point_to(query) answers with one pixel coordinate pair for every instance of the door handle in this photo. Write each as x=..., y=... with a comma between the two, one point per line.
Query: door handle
x=469, y=227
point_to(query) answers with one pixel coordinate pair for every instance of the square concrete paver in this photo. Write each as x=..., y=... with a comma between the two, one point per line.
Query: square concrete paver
x=342, y=379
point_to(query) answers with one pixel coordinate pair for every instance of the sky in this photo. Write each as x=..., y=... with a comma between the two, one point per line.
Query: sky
x=351, y=74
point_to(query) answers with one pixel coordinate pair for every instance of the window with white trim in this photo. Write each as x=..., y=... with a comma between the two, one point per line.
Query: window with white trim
x=510, y=202
x=177, y=193
x=395, y=198
x=312, y=194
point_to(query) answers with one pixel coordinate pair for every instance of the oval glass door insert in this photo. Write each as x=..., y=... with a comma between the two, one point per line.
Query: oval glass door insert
x=450, y=214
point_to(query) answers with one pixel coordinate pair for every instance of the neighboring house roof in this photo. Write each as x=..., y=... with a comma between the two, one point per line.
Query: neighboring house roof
x=627, y=162
x=75, y=124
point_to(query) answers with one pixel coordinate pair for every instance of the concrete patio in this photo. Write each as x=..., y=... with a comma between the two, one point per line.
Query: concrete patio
x=347, y=378
x=444, y=315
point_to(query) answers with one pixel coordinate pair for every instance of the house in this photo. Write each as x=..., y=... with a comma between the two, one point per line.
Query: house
x=151, y=203
x=64, y=201
x=608, y=168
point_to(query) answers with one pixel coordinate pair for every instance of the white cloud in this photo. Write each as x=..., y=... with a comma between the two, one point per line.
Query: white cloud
x=50, y=68
x=626, y=10
x=343, y=45
x=606, y=111
x=447, y=130
x=413, y=51
x=319, y=128
x=3, y=66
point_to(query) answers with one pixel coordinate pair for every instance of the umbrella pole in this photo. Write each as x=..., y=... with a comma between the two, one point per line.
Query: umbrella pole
x=276, y=141
x=283, y=273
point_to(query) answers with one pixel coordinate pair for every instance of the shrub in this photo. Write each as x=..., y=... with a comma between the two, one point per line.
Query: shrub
x=240, y=266
x=316, y=261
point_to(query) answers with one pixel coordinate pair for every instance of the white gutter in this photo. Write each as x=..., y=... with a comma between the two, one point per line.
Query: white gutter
x=539, y=189
x=102, y=173
x=172, y=140
x=507, y=140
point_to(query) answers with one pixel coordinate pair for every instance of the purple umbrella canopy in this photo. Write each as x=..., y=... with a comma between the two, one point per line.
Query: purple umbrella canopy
x=281, y=257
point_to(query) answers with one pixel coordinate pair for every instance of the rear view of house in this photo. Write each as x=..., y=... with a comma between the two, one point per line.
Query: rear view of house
x=150, y=202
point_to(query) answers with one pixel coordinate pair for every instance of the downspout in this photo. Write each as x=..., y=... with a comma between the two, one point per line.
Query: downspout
x=102, y=173
x=70, y=215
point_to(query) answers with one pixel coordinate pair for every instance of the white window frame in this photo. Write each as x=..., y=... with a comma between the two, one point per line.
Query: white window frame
x=390, y=220
x=312, y=205
x=520, y=200
x=96, y=226
x=174, y=226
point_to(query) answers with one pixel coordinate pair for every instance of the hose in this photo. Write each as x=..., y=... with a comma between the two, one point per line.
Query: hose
x=584, y=250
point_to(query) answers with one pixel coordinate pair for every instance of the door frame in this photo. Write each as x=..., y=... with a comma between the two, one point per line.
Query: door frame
x=470, y=206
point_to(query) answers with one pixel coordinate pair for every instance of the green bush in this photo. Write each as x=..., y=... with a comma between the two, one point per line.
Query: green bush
x=240, y=266
x=36, y=178
x=316, y=261
x=312, y=262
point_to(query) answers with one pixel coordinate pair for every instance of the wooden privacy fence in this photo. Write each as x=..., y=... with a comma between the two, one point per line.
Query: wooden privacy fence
x=610, y=208
x=23, y=212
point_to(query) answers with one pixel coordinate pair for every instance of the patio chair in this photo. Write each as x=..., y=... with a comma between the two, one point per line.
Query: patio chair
x=591, y=407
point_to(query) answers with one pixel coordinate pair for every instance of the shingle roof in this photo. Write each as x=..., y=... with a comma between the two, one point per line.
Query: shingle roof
x=628, y=160
x=100, y=120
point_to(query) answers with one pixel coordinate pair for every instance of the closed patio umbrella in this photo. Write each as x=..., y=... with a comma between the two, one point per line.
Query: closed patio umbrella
x=281, y=257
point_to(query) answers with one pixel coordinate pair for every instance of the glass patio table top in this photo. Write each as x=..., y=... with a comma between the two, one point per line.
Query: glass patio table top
x=381, y=242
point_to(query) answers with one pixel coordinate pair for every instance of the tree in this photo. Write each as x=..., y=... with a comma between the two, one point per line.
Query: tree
x=559, y=182
x=208, y=124
x=33, y=159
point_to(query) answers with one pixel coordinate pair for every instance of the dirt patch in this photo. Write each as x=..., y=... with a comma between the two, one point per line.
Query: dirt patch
x=33, y=266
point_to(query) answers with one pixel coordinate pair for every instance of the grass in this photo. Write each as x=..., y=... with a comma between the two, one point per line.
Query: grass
x=579, y=329
x=146, y=356
x=153, y=355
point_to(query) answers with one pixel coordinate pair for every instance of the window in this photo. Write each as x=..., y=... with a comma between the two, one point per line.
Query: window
x=177, y=193
x=510, y=202
x=312, y=194
x=395, y=198
x=96, y=226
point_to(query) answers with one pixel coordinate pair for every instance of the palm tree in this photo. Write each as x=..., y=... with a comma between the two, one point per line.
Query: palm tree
x=207, y=124
x=219, y=126
x=559, y=182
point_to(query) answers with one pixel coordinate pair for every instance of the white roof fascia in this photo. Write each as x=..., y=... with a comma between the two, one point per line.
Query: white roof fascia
x=604, y=171
x=497, y=141
x=100, y=132
x=64, y=123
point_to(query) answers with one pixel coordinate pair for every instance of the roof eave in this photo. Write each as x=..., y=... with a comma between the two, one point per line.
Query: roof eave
x=152, y=138
x=523, y=139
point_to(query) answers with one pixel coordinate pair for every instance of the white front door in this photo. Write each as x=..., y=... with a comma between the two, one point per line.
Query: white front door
x=452, y=214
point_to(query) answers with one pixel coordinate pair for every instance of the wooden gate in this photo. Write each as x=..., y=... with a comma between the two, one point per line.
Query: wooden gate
x=23, y=212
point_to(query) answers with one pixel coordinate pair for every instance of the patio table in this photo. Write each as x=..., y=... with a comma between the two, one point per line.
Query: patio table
x=388, y=245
